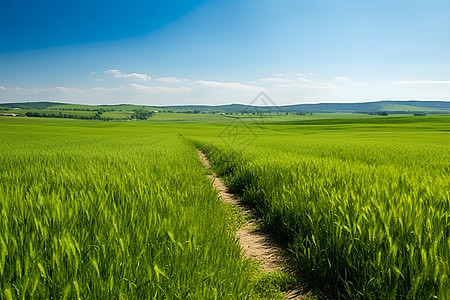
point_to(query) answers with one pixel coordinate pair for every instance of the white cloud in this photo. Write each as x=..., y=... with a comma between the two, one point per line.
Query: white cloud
x=168, y=79
x=119, y=74
x=313, y=85
x=104, y=90
x=159, y=89
x=48, y=90
x=283, y=89
x=423, y=82
x=2, y=88
x=273, y=79
x=341, y=78
x=300, y=78
x=67, y=89
x=61, y=89
x=228, y=85
x=346, y=81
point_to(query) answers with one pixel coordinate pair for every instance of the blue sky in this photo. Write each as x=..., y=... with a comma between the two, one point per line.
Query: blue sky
x=218, y=52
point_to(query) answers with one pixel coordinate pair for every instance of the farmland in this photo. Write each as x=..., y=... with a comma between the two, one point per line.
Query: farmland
x=100, y=210
x=77, y=111
x=115, y=209
x=363, y=203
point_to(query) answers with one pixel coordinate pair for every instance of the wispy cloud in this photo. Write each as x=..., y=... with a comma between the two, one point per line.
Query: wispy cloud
x=292, y=88
x=168, y=79
x=312, y=85
x=346, y=81
x=423, y=82
x=159, y=89
x=100, y=90
x=272, y=79
x=60, y=89
x=341, y=78
x=303, y=79
x=227, y=85
x=66, y=89
x=119, y=74
x=305, y=74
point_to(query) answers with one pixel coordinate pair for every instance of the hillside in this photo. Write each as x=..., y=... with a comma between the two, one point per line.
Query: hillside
x=70, y=106
x=77, y=111
x=389, y=106
x=413, y=106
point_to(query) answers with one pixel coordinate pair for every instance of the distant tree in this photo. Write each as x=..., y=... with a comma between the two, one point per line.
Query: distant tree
x=141, y=115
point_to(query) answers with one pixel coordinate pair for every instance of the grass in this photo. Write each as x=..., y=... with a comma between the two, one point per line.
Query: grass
x=91, y=209
x=117, y=115
x=97, y=209
x=188, y=118
x=398, y=107
x=363, y=207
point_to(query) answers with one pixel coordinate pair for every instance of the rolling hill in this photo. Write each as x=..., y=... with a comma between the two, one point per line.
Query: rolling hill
x=413, y=106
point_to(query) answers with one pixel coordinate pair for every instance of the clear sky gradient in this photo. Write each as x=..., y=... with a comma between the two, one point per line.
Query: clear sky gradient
x=220, y=52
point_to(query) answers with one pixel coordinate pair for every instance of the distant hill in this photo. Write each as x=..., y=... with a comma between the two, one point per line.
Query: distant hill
x=388, y=106
x=378, y=106
x=413, y=106
x=77, y=111
x=69, y=106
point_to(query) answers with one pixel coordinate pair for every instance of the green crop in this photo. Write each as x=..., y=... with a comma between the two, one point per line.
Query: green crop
x=111, y=210
x=93, y=209
x=363, y=203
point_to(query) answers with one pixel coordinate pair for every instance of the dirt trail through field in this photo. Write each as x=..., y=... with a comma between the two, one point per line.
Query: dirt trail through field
x=256, y=243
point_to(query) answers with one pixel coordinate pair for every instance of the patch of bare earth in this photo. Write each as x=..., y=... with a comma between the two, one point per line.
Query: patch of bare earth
x=256, y=243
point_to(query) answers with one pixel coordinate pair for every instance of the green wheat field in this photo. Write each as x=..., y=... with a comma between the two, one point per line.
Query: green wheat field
x=124, y=209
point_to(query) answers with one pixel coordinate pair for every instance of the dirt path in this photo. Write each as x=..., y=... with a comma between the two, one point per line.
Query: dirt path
x=256, y=243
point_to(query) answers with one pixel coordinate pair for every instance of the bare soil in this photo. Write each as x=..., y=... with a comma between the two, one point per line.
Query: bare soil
x=256, y=243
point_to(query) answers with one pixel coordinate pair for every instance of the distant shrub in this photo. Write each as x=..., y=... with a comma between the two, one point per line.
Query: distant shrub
x=141, y=114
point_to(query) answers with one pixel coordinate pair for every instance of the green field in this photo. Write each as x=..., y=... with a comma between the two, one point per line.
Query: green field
x=74, y=111
x=117, y=115
x=93, y=209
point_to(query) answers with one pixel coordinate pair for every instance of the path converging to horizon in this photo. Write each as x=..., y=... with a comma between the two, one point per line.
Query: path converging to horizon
x=256, y=243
